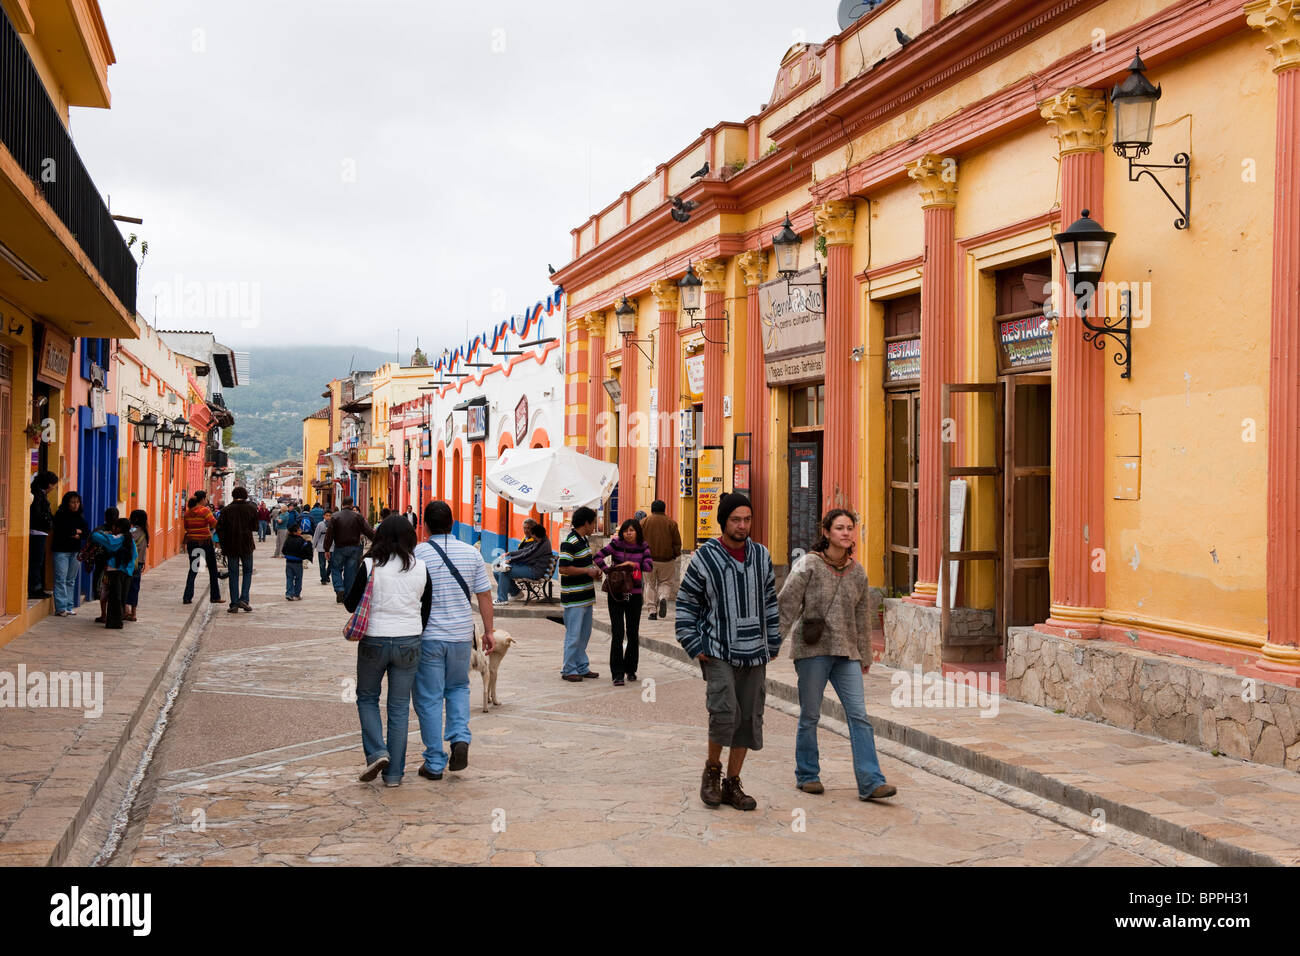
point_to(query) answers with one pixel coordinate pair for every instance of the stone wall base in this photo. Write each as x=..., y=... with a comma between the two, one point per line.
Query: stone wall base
x=1187, y=701
x=912, y=636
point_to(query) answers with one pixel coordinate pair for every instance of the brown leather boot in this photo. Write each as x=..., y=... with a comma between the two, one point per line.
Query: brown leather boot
x=711, y=784
x=738, y=798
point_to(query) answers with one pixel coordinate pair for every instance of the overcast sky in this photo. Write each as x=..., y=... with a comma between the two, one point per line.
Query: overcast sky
x=358, y=167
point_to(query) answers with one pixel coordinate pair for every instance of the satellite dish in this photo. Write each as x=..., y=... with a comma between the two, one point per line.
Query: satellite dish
x=851, y=10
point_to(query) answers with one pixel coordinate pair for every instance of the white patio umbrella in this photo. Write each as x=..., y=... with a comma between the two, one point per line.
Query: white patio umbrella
x=552, y=479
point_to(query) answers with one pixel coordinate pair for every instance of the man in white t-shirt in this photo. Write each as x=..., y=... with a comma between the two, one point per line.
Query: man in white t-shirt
x=447, y=641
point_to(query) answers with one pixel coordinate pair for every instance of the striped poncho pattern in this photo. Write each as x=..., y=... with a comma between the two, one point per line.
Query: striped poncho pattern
x=728, y=610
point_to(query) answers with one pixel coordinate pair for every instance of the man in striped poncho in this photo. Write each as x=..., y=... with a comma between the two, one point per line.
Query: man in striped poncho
x=729, y=620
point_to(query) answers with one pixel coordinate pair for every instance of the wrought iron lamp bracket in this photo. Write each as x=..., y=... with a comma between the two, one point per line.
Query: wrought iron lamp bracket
x=649, y=358
x=1181, y=161
x=1121, y=330
x=698, y=325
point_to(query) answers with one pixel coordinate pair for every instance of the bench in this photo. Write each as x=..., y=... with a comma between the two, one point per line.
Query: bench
x=540, y=589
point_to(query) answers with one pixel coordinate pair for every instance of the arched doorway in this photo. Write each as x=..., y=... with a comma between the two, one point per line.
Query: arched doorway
x=477, y=492
x=457, y=486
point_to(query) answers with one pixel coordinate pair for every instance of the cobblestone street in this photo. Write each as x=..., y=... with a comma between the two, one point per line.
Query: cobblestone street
x=260, y=759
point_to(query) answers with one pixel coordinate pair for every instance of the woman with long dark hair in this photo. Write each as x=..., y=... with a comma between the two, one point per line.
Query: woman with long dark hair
x=71, y=532
x=140, y=534
x=119, y=546
x=399, y=608
x=826, y=613
x=42, y=523
x=627, y=550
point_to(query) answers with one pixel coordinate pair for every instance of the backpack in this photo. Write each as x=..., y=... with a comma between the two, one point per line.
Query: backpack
x=90, y=555
x=305, y=524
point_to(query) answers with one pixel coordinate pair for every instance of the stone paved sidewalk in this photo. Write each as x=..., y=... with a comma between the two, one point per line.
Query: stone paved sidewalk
x=55, y=761
x=1223, y=810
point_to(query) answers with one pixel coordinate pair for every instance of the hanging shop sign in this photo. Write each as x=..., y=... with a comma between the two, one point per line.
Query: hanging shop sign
x=706, y=502
x=450, y=430
x=686, y=463
x=426, y=440
x=521, y=420
x=56, y=358
x=793, y=317
x=695, y=376
x=476, y=427
x=1025, y=342
x=903, y=361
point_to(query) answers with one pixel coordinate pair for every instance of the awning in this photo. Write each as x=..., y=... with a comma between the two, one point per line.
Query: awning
x=477, y=400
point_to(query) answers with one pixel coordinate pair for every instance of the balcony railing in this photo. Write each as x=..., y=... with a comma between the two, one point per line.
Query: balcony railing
x=218, y=459
x=33, y=132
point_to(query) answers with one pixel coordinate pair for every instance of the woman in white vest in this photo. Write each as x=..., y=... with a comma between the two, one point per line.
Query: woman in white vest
x=399, y=609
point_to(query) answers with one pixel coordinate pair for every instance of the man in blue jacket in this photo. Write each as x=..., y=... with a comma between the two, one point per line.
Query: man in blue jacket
x=729, y=620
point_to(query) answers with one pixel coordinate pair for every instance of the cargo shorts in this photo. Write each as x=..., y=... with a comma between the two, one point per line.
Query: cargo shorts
x=735, y=696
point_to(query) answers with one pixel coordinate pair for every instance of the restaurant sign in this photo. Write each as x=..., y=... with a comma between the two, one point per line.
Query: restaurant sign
x=793, y=317
x=903, y=361
x=1026, y=342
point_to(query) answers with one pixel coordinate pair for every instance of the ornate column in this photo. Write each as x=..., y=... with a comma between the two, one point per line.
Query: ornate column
x=713, y=272
x=834, y=221
x=668, y=358
x=1079, y=382
x=753, y=267
x=1279, y=20
x=595, y=323
x=578, y=411
x=627, y=476
x=937, y=177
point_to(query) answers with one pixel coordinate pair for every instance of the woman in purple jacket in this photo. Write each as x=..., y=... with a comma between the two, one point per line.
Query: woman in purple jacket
x=628, y=549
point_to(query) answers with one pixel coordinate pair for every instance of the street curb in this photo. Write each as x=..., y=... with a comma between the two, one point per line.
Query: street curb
x=113, y=758
x=1043, y=785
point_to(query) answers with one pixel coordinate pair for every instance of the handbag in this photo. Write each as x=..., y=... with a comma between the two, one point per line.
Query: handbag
x=359, y=622
x=814, y=627
x=618, y=583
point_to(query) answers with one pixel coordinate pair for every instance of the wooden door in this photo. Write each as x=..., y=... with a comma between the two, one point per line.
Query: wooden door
x=6, y=408
x=1027, y=528
x=902, y=463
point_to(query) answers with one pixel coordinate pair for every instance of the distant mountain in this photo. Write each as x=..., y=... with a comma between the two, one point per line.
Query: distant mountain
x=285, y=387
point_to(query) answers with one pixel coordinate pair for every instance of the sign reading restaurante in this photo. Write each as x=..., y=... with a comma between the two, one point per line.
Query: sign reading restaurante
x=793, y=315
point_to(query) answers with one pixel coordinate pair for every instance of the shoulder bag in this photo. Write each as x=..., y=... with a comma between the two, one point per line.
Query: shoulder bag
x=359, y=622
x=455, y=573
x=815, y=625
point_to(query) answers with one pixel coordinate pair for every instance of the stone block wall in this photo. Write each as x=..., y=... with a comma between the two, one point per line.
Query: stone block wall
x=912, y=636
x=1175, y=698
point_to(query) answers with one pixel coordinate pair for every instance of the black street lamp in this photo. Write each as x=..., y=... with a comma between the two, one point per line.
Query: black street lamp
x=145, y=428
x=162, y=436
x=625, y=315
x=690, y=285
x=1084, y=248
x=1134, y=101
x=786, y=244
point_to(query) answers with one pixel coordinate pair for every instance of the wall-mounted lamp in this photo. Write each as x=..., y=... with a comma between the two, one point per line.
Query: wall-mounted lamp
x=786, y=245
x=145, y=428
x=859, y=352
x=1135, y=120
x=1084, y=247
x=162, y=436
x=689, y=285
x=625, y=315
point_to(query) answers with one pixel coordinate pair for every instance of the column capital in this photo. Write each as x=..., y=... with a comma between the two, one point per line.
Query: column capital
x=595, y=322
x=834, y=220
x=666, y=295
x=1079, y=115
x=712, y=273
x=937, y=177
x=1279, y=20
x=753, y=266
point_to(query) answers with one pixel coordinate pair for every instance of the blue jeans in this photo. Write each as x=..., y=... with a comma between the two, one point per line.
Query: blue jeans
x=443, y=675
x=398, y=658
x=846, y=677
x=506, y=579
x=292, y=578
x=263, y=529
x=577, y=632
x=66, y=568
x=240, y=568
x=343, y=566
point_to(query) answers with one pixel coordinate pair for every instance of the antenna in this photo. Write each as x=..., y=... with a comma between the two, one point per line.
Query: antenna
x=352, y=363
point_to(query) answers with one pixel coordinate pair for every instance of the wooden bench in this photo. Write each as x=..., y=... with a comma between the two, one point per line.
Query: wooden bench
x=540, y=589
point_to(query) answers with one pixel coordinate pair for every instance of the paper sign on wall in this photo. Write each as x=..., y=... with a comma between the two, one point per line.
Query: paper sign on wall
x=957, y=491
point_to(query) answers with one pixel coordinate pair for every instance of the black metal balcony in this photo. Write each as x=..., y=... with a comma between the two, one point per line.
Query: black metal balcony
x=217, y=459
x=33, y=132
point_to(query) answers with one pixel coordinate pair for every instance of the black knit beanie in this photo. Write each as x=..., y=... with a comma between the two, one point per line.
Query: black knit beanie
x=729, y=503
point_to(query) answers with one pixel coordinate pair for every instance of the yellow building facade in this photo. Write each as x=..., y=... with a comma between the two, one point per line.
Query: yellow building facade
x=933, y=375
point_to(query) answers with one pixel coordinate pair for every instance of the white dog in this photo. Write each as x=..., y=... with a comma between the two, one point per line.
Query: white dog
x=487, y=665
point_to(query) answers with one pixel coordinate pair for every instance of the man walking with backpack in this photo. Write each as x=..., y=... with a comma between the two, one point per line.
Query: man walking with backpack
x=729, y=620
x=456, y=571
